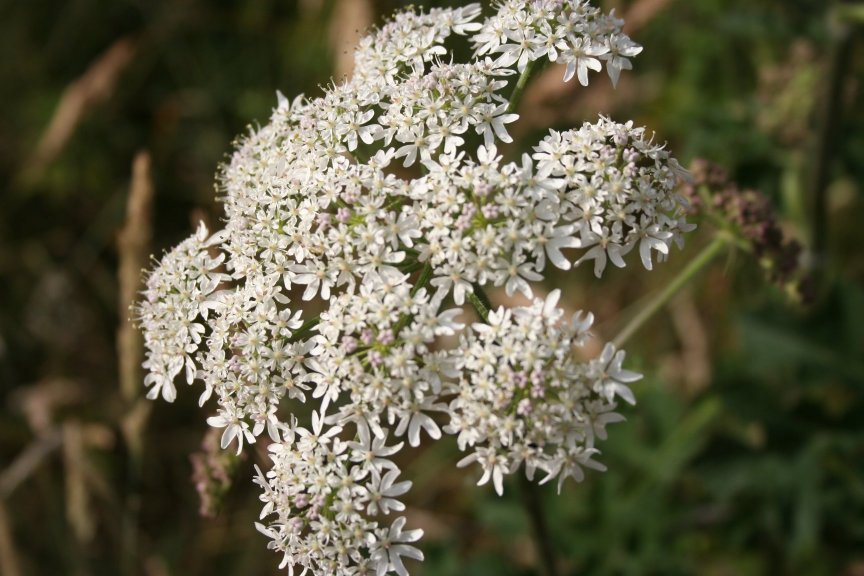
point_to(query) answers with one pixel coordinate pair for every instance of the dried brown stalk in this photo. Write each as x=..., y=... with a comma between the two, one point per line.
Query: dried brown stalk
x=133, y=246
x=78, y=512
x=95, y=86
x=27, y=461
x=641, y=13
x=9, y=565
x=48, y=440
x=351, y=19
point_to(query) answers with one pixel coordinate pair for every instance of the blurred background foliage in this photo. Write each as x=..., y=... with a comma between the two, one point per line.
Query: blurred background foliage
x=745, y=454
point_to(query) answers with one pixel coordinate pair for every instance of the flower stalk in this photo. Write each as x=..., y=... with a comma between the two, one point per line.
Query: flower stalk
x=533, y=503
x=519, y=89
x=480, y=302
x=693, y=268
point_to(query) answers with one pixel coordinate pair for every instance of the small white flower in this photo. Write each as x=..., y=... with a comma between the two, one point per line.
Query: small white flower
x=234, y=428
x=390, y=545
x=612, y=378
x=491, y=123
x=620, y=50
x=382, y=492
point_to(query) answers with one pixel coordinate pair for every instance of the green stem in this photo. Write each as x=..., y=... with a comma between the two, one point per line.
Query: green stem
x=360, y=155
x=422, y=280
x=532, y=499
x=480, y=301
x=829, y=134
x=516, y=96
x=695, y=266
x=481, y=294
x=305, y=329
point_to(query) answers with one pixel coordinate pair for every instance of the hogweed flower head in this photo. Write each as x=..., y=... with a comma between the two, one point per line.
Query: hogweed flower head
x=386, y=203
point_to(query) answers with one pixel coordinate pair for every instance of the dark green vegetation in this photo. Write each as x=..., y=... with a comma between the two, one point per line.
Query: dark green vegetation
x=745, y=453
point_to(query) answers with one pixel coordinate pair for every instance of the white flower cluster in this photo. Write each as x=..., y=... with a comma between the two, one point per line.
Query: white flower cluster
x=522, y=398
x=568, y=31
x=326, y=493
x=173, y=309
x=357, y=225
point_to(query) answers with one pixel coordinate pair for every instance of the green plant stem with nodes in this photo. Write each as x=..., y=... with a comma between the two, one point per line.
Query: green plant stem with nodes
x=717, y=245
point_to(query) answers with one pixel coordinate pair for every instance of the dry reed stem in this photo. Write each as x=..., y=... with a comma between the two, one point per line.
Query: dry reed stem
x=9, y=565
x=351, y=19
x=95, y=86
x=78, y=512
x=27, y=461
x=133, y=246
x=641, y=13
x=40, y=402
x=13, y=476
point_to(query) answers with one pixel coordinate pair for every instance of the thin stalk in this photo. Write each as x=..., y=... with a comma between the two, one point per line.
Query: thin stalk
x=480, y=302
x=9, y=563
x=516, y=95
x=695, y=266
x=310, y=324
x=481, y=294
x=133, y=249
x=531, y=498
x=829, y=133
x=307, y=327
x=422, y=280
